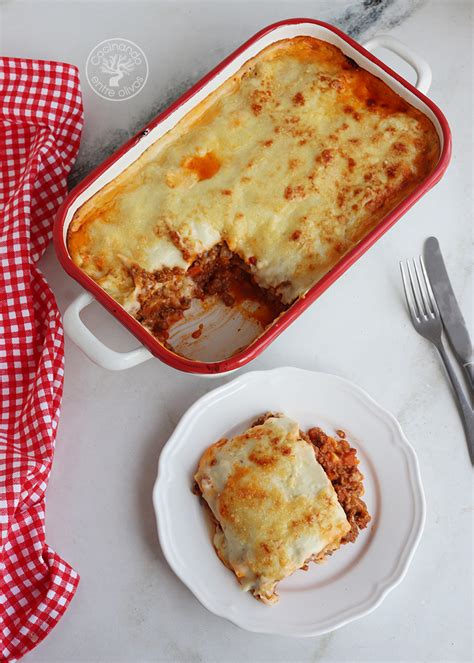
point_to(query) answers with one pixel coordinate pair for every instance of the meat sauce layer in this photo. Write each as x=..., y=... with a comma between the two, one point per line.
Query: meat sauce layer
x=164, y=296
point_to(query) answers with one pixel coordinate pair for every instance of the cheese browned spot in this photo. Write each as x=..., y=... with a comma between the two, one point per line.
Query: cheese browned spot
x=300, y=142
x=273, y=505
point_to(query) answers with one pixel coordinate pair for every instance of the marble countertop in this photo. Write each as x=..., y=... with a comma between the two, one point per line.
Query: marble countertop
x=129, y=605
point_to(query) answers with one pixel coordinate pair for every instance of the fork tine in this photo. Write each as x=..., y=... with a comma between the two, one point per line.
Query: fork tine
x=422, y=287
x=408, y=293
x=416, y=294
x=429, y=290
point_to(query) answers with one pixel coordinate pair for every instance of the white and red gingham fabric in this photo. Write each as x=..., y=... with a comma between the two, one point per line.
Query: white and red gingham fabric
x=40, y=127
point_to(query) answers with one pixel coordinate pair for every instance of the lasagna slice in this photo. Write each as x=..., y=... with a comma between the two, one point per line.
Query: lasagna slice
x=273, y=505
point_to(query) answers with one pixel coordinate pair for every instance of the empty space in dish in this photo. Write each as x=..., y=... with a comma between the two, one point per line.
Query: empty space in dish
x=225, y=329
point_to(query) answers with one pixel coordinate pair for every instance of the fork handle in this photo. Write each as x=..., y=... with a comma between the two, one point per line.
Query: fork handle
x=464, y=407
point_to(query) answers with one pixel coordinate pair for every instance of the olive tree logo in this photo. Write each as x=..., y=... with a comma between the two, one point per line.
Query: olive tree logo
x=117, y=69
x=117, y=66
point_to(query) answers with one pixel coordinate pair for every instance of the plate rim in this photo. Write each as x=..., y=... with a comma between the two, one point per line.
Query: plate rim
x=380, y=589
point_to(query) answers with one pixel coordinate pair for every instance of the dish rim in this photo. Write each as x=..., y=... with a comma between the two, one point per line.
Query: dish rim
x=382, y=587
x=253, y=349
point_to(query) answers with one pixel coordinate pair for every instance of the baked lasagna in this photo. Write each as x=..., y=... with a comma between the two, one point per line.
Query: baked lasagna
x=258, y=191
x=279, y=499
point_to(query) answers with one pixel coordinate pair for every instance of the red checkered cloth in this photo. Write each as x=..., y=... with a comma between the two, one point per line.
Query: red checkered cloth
x=40, y=128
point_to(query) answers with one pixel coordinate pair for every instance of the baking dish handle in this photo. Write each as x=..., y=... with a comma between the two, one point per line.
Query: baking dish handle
x=421, y=67
x=97, y=351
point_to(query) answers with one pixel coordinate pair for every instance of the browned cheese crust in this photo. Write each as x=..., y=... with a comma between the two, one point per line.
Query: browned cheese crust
x=271, y=179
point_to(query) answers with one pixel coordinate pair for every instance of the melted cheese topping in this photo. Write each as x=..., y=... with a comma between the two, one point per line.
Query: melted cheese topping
x=291, y=162
x=274, y=505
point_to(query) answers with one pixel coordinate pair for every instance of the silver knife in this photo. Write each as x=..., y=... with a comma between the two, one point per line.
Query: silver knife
x=451, y=315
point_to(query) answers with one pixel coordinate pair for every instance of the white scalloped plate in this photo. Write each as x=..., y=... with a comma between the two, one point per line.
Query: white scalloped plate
x=358, y=576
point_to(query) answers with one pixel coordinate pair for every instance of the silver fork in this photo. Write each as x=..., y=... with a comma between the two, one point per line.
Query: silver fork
x=426, y=320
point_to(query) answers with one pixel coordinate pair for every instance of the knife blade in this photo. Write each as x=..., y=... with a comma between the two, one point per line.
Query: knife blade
x=453, y=321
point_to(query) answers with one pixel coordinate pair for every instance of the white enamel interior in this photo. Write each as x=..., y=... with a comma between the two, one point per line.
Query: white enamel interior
x=225, y=331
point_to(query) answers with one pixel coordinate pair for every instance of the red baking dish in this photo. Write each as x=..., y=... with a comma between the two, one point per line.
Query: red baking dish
x=129, y=152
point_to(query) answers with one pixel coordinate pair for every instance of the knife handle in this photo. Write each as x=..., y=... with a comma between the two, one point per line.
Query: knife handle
x=469, y=370
x=465, y=409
